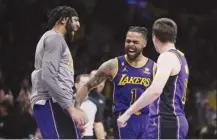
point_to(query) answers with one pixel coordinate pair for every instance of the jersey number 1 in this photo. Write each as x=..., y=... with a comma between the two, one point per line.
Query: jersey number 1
x=133, y=99
x=133, y=96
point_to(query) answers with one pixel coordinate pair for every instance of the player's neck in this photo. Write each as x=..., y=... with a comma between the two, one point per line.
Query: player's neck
x=139, y=58
x=139, y=61
x=166, y=47
x=60, y=29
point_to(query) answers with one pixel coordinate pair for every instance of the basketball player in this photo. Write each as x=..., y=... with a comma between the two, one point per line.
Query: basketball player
x=131, y=74
x=167, y=93
x=52, y=79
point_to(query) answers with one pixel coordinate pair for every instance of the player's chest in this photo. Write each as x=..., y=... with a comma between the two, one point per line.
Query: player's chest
x=66, y=59
x=133, y=78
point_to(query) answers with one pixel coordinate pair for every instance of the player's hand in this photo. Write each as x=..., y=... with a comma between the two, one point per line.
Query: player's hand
x=122, y=120
x=80, y=117
x=82, y=129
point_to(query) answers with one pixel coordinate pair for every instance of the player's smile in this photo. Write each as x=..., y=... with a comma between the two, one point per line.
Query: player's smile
x=131, y=53
x=131, y=50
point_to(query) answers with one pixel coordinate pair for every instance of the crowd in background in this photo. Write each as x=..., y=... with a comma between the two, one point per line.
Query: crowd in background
x=101, y=37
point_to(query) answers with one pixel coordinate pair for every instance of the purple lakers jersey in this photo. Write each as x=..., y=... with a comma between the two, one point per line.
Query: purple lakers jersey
x=129, y=83
x=173, y=98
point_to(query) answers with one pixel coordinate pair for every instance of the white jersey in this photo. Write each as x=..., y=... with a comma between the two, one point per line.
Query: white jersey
x=90, y=109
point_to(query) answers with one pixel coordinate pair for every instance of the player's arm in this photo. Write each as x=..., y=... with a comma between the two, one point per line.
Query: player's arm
x=154, y=70
x=50, y=67
x=106, y=70
x=99, y=130
x=165, y=63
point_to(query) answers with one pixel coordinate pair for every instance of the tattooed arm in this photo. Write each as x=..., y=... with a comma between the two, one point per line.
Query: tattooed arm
x=106, y=70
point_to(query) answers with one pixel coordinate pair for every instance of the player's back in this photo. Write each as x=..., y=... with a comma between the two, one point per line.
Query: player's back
x=172, y=100
x=129, y=83
x=166, y=114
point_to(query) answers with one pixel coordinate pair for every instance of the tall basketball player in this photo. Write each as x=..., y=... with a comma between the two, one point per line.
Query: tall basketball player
x=52, y=79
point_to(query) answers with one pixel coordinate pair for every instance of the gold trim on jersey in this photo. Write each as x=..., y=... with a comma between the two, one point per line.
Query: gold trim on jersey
x=179, y=61
x=117, y=68
x=174, y=107
x=125, y=57
x=182, y=54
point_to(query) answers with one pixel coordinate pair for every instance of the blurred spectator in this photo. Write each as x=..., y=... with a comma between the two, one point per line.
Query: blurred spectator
x=16, y=117
x=209, y=131
x=2, y=94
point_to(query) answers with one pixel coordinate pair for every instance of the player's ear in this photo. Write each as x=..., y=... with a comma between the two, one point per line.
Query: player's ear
x=144, y=43
x=154, y=38
x=64, y=20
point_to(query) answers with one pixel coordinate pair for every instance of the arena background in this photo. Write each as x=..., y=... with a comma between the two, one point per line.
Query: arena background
x=103, y=28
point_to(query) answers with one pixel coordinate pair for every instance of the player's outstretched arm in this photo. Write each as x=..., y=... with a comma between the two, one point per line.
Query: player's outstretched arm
x=105, y=71
x=166, y=62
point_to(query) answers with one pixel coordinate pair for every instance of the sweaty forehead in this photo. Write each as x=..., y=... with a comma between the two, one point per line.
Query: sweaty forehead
x=134, y=36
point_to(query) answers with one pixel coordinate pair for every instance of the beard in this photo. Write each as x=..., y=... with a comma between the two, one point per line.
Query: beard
x=69, y=33
x=134, y=55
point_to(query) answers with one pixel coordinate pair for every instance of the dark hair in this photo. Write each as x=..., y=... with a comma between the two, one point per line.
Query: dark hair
x=141, y=30
x=59, y=13
x=78, y=78
x=165, y=30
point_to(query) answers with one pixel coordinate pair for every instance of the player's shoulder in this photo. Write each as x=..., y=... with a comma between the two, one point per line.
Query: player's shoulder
x=116, y=59
x=119, y=59
x=111, y=63
x=167, y=56
x=168, y=59
x=52, y=36
x=121, y=56
x=151, y=61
